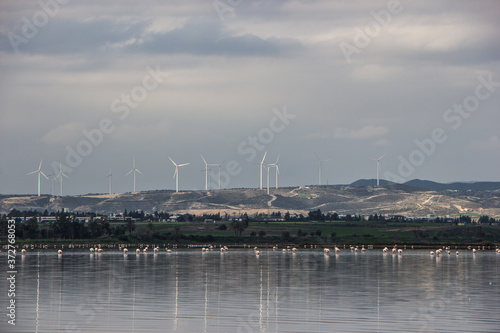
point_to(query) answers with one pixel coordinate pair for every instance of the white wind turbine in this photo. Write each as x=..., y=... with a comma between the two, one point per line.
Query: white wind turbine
x=261, y=166
x=276, y=165
x=110, y=176
x=134, y=170
x=219, y=166
x=378, y=167
x=206, y=172
x=268, y=167
x=39, y=172
x=60, y=176
x=53, y=178
x=319, y=167
x=176, y=173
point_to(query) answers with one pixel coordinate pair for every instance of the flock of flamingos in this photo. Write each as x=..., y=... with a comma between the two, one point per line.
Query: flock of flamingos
x=223, y=249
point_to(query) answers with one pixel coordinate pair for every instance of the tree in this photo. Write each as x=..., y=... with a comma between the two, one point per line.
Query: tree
x=177, y=233
x=130, y=226
x=316, y=215
x=238, y=227
x=484, y=219
x=285, y=236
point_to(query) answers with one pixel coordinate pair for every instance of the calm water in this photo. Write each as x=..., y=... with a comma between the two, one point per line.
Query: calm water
x=188, y=291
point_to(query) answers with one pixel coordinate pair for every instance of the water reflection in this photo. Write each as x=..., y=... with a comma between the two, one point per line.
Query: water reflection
x=189, y=291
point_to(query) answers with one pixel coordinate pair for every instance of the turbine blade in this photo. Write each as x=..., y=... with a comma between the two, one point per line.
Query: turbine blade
x=44, y=175
x=175, y=173
x=203, y=159
x=172, y=161
x=263, y=158
x=128, y=173
x=138, y=171
x=184, y=164
x=62, y=174
x=317, y=156
x=381, y=157
x=33, y=172
x=277, y=159
x=40, y=166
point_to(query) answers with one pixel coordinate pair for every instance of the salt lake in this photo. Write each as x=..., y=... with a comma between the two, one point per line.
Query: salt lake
x=239, y=291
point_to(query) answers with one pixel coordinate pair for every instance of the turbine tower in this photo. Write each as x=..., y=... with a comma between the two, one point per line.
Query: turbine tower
x=110, y=176
x=276, y=165
x=206, y=172
x=176, y=173
x=60, y=176
x=319, y=167
x=378, y=167
x=268, y=167
x=53, y=178
x=134, y=170
x=219, y=166
x=39, y=172
x=261, y=166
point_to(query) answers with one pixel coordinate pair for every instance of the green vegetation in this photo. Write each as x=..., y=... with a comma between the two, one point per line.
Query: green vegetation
x=316, y=228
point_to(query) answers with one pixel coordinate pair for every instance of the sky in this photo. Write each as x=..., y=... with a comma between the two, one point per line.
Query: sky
x=88, y=86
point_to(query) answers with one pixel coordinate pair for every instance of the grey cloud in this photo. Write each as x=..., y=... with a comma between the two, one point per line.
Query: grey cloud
x=209, y=38
x=69, y=37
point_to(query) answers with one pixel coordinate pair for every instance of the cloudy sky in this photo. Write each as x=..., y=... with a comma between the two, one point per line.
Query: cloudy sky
x=89, y=85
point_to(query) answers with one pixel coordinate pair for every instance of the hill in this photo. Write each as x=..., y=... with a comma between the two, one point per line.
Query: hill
x=458, y=186
x=343, y=199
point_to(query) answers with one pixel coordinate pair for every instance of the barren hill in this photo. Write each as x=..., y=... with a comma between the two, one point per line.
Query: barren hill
x=389, y=199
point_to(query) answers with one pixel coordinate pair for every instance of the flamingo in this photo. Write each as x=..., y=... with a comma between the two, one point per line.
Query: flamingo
x=385, y=249
x=23, y=252
x=59, y=252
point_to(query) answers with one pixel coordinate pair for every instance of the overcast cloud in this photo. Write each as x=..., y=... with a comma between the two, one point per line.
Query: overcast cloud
x=347, y=80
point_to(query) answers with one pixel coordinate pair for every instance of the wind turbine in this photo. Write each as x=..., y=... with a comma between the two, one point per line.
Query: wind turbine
x=261, y=165
x=52, y=180
x=39, y=172
x=276, y=165
x=378, y=167
x=134, y=170
x=176, y=173
x=319, y=167
x=268, y=167
x=206, y=172
x=61, y=175
x=219, y=166
x=110, y=176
